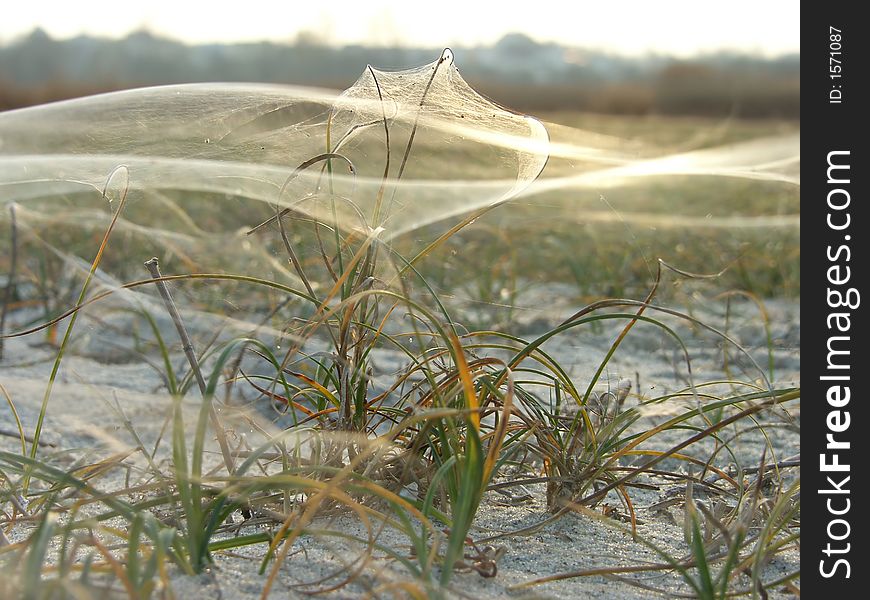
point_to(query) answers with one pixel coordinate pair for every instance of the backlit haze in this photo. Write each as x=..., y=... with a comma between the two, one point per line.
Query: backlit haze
x=680, y=28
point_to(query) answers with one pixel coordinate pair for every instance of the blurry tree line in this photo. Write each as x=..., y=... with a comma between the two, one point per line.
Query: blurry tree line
x=516, y=71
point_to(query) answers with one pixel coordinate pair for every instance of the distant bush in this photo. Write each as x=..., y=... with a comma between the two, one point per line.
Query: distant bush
x=517, y=72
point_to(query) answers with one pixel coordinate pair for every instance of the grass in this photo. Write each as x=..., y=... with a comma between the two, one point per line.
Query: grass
x=477, y=410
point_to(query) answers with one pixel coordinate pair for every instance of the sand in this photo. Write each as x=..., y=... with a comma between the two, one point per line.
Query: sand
x=97, y=378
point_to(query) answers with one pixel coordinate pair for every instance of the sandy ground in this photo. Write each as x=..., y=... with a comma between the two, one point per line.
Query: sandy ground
x=83, y=415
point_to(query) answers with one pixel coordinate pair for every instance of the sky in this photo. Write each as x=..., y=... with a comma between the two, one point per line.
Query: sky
x=632, y=27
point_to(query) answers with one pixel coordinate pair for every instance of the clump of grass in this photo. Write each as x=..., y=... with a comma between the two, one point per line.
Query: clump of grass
x=416, y=456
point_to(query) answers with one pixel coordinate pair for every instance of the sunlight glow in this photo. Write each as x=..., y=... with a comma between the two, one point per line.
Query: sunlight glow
x=677, y=27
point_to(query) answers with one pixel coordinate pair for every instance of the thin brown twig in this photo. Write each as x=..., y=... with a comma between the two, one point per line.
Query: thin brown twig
x=154, y=268
x=14, y=434
x=10, y=282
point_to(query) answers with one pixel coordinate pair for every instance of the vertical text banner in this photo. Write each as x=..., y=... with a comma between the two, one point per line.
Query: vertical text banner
x=835, y=436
